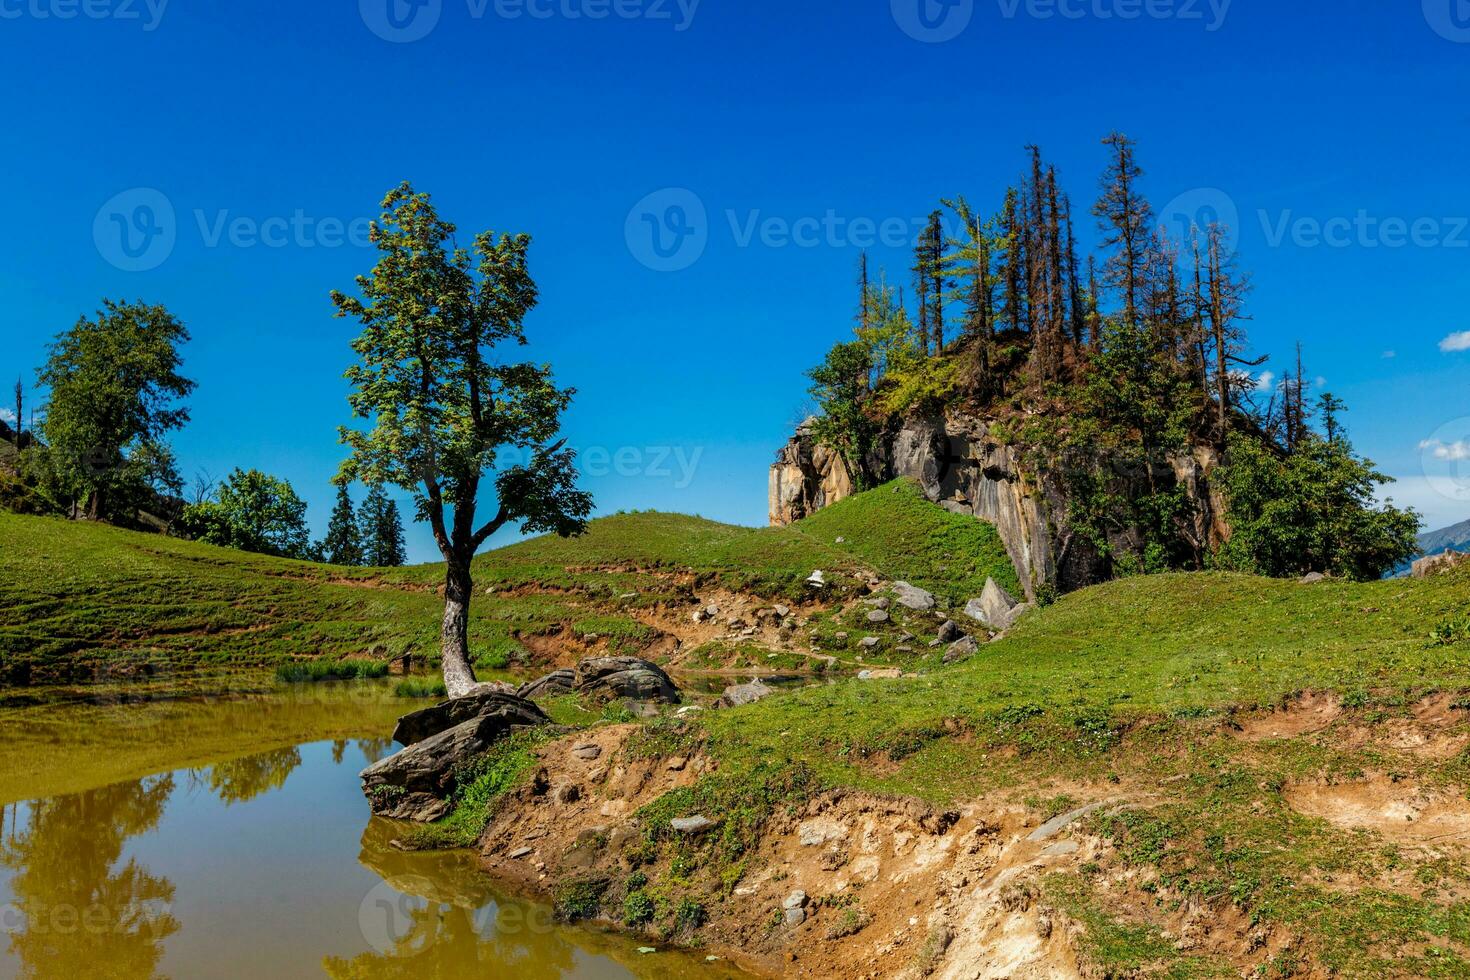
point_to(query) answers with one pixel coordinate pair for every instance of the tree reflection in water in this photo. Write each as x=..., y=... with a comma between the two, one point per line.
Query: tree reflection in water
x=76, y=911
x=242, y=780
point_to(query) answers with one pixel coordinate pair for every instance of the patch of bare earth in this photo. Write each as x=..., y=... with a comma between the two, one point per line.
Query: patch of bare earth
x=1399, y=811
x=1307, y=715
x=893, y=888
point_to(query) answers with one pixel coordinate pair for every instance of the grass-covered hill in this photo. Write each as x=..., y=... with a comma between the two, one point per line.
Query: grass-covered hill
x=78, y=598
x=1292, y=757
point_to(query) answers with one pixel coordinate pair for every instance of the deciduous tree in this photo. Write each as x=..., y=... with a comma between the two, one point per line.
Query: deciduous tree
x=443, y=402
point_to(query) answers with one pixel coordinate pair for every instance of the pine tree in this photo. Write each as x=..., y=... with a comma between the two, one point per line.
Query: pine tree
x=343, y=543
x=1013, y=262
x=934, y=260
x=390, y=536
x=1124, y=217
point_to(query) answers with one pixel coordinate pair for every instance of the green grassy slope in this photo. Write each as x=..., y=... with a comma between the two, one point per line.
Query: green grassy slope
x=77, y=598
x=1132, y=691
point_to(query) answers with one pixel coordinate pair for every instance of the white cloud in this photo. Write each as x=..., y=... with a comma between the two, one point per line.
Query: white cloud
x=1456, y=342
x=1389, y=355
x=7, y=415
x=1456, y=451
x=1266, y=381
x=1441, y=501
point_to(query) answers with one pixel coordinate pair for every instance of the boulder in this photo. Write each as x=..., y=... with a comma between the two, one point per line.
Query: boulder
x=428, y=722
x=1438, y=564
x=912, y=597
x=415, y=783
x=739, y=694
x=869, y=642
x=993, y=608
x=961, y=649
x=626, y=677
x=878, y=616
x=563, y=681
x=1312, y=578
x=691, y=826
x=949, y=632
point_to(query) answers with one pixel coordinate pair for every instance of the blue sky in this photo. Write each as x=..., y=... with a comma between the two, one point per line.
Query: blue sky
x=259, y=136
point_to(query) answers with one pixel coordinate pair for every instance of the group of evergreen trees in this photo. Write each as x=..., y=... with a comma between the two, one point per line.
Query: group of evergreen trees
x=1116, y=364
x=100, y=452
x=370, y=536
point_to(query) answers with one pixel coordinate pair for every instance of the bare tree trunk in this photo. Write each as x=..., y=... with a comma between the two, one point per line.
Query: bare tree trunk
x=454, y=645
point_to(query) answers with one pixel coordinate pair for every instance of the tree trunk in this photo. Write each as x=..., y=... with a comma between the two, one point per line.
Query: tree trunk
x=454, y=645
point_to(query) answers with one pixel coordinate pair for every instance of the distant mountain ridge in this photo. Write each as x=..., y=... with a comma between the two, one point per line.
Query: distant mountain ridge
x=1456, y=536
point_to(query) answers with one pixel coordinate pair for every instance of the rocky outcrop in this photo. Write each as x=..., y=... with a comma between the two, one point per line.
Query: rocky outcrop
x=964, y=467
x=415, y=783
x=563, y=681
x=428, y=722
x=625, y=677
x=1438, y=564
x=806, y=478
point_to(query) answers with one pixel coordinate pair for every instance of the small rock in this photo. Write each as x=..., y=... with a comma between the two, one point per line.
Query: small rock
x=949, y=632
x=568, y=793
x=689, y=709
x=817, y=580
x=912, y=596
x=739, y=694
x=697, y=824
x=878, y=616
x=1313, y=578
x=993, y=607
x=840, y=637
x=519, y=853
x=795, y=917
x=783, y=611
x=677, y=763
x=711, y=610
x=960, y=649
x=587, y=753
x=627, y=595
x=796, y=900
x=869, y=642
x=882, y=602
x=841, y=539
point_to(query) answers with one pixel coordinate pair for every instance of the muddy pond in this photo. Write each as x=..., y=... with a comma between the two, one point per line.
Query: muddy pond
x=199, y=833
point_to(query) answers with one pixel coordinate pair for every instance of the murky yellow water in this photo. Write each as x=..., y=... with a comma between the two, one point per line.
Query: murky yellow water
x=240, y=863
